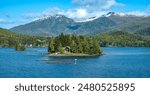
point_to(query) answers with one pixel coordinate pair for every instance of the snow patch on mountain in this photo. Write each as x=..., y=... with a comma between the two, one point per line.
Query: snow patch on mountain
x=86, y=20
x=51, y=17
x=134, y=14
x=121, y=14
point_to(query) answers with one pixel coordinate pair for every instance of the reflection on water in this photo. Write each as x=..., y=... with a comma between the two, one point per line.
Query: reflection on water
x=115, y=63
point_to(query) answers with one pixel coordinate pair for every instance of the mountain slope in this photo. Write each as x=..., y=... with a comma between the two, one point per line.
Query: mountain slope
x=51, y=26
x=132, y=24
x=54, y=25
x=9, y=39
x=96, y=26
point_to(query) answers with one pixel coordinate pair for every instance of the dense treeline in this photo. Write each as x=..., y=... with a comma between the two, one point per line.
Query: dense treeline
x=122, y=39
x=74, y=44
x=10, y=39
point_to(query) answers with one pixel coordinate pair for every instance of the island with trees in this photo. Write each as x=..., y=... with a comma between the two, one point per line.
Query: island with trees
x=72, y=45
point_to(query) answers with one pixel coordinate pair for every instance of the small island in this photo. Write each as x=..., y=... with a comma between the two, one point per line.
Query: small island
x=72, y=45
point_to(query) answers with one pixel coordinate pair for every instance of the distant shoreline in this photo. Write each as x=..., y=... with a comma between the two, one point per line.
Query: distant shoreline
x=72, y=55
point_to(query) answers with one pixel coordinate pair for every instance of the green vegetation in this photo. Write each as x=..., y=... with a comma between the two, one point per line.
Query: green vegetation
x=19, y=47
x=73, y=45
x=122, y=39
x=10, y=39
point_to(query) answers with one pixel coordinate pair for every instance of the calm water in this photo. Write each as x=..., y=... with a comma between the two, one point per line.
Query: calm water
x=115, y=63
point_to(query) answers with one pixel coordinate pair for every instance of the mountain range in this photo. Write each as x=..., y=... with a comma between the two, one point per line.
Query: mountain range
x=110, y=22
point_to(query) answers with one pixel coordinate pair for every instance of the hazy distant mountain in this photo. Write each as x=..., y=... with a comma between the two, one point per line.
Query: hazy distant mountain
x=109, y=22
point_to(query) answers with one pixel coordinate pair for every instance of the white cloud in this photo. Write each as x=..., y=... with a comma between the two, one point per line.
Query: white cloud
x=91, y=8
x=84, y=9
x=76, y=13
x=45, y=13
x=96, y=4
x=52, y=11
x=94, y=7
x=3, y=21
x=138, y=13
x=71, y=13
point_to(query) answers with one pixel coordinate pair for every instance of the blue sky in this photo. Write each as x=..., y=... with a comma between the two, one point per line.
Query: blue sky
x=17, y=12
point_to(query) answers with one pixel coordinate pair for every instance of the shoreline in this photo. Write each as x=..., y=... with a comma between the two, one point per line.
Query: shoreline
x=72, y=55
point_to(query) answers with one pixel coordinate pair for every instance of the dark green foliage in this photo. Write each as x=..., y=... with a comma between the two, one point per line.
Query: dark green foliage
x=51, y=47
x=122, y=39
x=76, y=44
x=19, y=47
x=95, y=47
x=85, y=45
x=59, y=48
x=73, y=46
x=80, y=48
x=10, y=39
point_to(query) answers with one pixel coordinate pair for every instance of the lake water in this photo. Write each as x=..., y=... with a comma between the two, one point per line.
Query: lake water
x=117, y=62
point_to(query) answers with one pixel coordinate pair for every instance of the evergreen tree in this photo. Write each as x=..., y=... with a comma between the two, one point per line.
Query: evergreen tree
x=59, y=47
x=51, y=48
x=96, y=47
x=73, y=46
x=62, y=39
x=19, y=47
x=80, y=48
x=91, y=47
x=85, y=46
x=68, y=40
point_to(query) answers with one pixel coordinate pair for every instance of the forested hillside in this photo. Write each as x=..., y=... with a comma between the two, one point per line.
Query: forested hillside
x=9, y=39
x=120, y=38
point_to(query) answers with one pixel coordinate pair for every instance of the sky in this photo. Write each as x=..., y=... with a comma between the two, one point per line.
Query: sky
x=18, y=12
